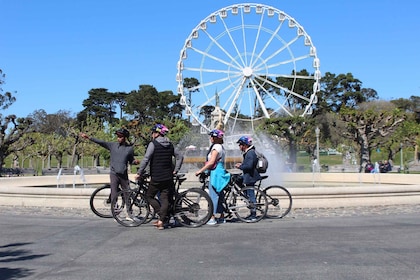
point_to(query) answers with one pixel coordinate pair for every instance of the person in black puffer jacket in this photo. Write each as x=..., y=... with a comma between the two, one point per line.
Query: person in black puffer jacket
x=159, y=155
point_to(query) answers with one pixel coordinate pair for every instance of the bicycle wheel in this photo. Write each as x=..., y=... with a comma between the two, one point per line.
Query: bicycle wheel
x=193, y=208
x=150, y=216
x=143, y=188
x=245, y=209
x=100, y=201
x=279, y=201
x=130, y=208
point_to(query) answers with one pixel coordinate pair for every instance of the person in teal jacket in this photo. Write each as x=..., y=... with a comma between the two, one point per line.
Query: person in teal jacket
x=219, y=177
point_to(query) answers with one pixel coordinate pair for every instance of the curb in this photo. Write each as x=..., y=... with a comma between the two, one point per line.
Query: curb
x=335, y=190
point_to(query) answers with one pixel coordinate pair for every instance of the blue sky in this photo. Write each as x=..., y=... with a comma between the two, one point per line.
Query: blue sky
x=54, y=52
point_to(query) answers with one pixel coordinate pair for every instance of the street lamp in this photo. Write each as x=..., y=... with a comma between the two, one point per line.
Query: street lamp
x=317, y=131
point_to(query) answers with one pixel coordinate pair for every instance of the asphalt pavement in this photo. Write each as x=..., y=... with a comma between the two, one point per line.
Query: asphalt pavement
x=347, y=243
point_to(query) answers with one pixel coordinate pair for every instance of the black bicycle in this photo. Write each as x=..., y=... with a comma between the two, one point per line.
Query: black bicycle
x=191, y=208
x=100, y=199
x=237, y=199
x=279, y=199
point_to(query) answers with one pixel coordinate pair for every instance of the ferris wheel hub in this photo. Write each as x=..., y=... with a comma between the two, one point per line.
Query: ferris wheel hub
x=247, y=71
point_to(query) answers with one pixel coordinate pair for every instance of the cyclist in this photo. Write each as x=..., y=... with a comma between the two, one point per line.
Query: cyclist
x=122, y=153
x=219, y=178
x=248, y=166
x=159, y=154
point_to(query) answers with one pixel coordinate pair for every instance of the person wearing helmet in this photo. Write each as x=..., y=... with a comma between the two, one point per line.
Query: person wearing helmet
x=159, y=156
x=122, y=154
x=249, y=167
x=219, y=178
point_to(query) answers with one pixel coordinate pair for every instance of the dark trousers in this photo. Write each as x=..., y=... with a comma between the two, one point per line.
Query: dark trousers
x=117, y=180
x=165, y=190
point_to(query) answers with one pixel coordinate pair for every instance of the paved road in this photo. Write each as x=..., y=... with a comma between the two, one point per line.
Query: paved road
x=348, y=243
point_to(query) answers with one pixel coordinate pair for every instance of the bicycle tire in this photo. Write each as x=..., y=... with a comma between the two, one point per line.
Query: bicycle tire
x=242, y=205
x=144, y=187
x=151, y=216
x=100, y=201
x=279, y=201
x=193, y=208
x=130, y=208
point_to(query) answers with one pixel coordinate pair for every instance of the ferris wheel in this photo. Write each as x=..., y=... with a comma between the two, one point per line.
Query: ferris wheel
x=244, y=63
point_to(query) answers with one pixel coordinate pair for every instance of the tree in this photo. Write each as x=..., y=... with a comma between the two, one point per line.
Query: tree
x=191, y=85
x=100, y=104
x=51, y=123
x=343, y=90
x=147, y=104
x=370, y=125
x=303, y=87
x=291, y=129
x=12, y=128
x=120, y=98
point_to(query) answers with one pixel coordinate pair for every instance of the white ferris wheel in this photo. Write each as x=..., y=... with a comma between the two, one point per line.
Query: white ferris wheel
x=250, y=62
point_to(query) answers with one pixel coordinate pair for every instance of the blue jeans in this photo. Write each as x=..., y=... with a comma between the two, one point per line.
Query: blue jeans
x=251, y=195
x=216, y=199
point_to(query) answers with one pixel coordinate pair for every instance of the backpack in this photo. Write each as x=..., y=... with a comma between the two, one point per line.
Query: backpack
x=262, y=163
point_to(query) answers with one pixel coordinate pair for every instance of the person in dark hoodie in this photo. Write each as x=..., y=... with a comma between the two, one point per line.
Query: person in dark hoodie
x=248, y=167
x=122, y=154
x=159, y=155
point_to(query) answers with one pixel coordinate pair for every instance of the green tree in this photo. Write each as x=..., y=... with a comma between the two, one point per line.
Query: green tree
x=51, y=123
x=101, y=104
x=303, y=87
x=343, y=90
x=292, y=130
x=12, y=128
x=147, y=104
x=370, y=125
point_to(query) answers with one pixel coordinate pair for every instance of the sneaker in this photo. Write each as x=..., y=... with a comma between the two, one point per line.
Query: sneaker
x=251, y=218
x=133, y=219
x=212, y=222
x=221, y=221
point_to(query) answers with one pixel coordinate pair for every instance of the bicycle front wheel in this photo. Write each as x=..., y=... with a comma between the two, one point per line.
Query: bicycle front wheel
x=100, y=201
x=246, y=207
x=193, y=208
x=279, y=201
x=130, y=208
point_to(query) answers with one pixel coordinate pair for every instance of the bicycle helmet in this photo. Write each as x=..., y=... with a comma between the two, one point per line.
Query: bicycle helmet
x=245, y=140
x=123, y=132
x=160, y=128
x=216, y=133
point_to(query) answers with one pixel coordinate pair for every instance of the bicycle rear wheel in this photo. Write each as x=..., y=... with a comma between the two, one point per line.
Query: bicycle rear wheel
x=100, y=201
x=279, y=201
x=143, y=188
x=246, y=209
x=130, y=208
x=193, y=208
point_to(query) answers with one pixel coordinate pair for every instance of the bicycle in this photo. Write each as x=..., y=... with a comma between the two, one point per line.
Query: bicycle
x=191, y=207
x=235, y=200
x=100, y=200
x=279, y=199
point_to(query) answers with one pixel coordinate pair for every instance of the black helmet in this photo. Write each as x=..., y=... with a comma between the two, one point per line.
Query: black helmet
x=123, y=132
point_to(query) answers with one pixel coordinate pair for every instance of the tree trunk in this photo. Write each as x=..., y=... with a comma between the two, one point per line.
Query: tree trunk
x=364, y=150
